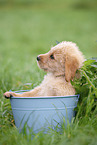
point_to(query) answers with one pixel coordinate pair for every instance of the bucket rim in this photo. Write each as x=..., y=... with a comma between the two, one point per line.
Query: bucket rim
x=45, y=97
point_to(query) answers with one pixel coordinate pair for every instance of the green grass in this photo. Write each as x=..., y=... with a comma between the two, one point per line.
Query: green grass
x=27, y=30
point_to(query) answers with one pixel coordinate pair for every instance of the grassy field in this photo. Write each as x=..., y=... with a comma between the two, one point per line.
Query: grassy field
x=29, y=29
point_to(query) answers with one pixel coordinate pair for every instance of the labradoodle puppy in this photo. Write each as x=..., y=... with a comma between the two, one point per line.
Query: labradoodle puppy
x=61, y=64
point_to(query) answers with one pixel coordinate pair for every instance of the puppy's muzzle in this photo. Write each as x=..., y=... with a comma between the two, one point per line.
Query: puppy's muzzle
x=38, y=58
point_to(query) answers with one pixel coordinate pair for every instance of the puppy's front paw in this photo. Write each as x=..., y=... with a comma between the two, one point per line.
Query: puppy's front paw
x=7, y=94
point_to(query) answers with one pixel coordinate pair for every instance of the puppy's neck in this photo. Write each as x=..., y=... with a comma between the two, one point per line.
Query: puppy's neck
x=58, y=75
x=61, y=75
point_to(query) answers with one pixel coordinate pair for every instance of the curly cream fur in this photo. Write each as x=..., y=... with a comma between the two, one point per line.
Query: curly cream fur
x=60, y=70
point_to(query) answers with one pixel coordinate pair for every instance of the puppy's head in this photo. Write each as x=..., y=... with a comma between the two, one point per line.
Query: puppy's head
x=62, y=60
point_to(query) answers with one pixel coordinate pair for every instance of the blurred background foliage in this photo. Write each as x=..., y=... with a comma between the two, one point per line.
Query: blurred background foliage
x=73, y=3
x=45, y=21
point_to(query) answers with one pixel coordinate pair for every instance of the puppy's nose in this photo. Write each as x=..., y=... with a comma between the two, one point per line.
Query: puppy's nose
x=38, y=58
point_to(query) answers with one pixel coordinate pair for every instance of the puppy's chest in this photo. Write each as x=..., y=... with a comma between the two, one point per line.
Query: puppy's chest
x=51, y=80
x=50, y=84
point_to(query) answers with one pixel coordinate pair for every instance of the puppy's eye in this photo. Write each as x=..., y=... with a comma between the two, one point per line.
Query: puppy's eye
x=51, y=56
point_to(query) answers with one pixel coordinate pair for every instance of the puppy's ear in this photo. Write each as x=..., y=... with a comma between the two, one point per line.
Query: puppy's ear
x=71, y=65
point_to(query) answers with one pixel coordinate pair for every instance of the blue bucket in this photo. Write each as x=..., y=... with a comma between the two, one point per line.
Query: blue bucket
x=42, y=112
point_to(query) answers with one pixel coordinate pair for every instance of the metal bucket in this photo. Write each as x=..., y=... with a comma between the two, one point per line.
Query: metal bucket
x=42, y=112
